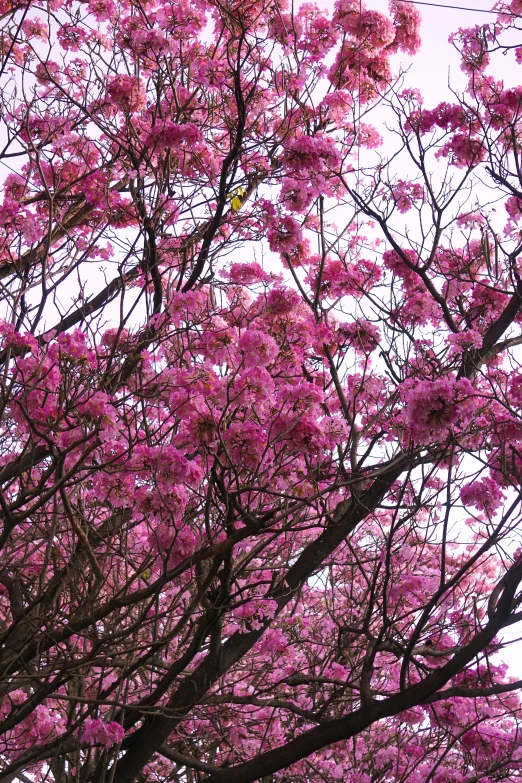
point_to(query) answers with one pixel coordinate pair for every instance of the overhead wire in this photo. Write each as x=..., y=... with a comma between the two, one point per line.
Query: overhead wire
x=459, y=7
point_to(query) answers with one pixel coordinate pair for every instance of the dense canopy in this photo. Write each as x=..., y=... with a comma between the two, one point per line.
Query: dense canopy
x=261, y=396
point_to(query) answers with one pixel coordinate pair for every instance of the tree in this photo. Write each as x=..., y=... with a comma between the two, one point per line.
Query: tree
x=261, y=399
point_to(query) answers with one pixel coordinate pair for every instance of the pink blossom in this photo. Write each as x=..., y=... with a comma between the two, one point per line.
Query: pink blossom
x=515, y=389
x=225, y=499
x=95, y=189
x=17, y=340
x=254, y=385
x=339, y=105
x=463, y=150
x=43, y=723
x=486, y=495
x=364, y=335
x=209, y=73
x=296, y=194
x=98, y=406
x=487, y=304
x=102, y=10
x=170, y=134
x=374, y=29
x=302, y=395
x=360, y=72
x=149, y=42
x=218, y=342
x=35, y=28
x=272, y=641
x=247, y=273
x=407, y=22
x=96, y=732
x=259, y=349
x=71, y=37
x=405, y=194
x=400, y=267
x=282, y=301
x=368, y=136
x=177, y=543
x=341, y=278
x=73, y=345
x=169, y=463
x=470, y=220
x=464, y=341
x=445, y=116
x=246, y=443
x=285, y=235
x=513, y=207
x=311, y=154
x=187, y=307
x=473, y=45
x=126, y=92
x=435, y=408
x=319, y=35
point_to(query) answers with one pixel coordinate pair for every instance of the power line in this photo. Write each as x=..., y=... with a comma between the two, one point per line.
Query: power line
x=457, y=7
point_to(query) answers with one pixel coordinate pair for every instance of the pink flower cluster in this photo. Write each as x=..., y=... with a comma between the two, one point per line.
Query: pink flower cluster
x=464, y=341
x=73, y=346
x=405, y=194
x=149, y=42
x=463, y=150
x=374, y=29
x=170, y=134
x=473, y=46
x=71, y=37
x=513, y=207
x=435, y=408
x=259, y=349
x=393, y=261
x=246, y=443
x=96, y=732
x=362, y=334
x=169, y=462
x=486, y=495
x=247, y=273
x=307, y=154
x=285, y=235
x=295, y=194
x=515, y=389
x=282, y=301
x=96, y=190
x=310, y=162
x=102, y=10
x=407, y=22
x=35, y=28
x=126, y=93
x=98, y=406
x=342, y=278
x=254, y=386
x=338, y=105
x=447, y=116
x=319, y=34
x=470, y=220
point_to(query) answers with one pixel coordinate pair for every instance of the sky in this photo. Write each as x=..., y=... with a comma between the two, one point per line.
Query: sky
x=437, y=64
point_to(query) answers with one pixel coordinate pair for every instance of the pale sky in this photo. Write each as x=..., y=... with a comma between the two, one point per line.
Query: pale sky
x=437, y=62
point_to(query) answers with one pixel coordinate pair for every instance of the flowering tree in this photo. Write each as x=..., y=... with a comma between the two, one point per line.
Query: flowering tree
x=261, y=398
